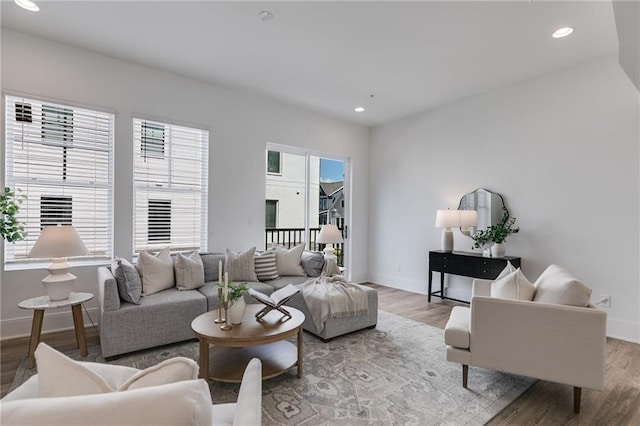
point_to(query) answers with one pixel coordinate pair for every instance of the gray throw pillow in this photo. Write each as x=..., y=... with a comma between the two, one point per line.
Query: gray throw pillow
x=312, y=262
x=189, y=271
x=128, y=280
x=211, y=261
x=241, y=266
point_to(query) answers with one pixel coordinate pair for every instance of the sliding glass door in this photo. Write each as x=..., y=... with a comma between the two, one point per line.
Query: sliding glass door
x=304, y=191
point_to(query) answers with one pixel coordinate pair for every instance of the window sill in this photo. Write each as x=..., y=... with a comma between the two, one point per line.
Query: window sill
x=43, y=265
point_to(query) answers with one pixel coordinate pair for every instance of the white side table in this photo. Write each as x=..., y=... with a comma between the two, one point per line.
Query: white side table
x=39, y=304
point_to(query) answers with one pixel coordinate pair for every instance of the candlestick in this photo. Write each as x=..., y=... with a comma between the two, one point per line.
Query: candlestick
x=220, y=320
x=226, y=326
x=219, y=271
x=226, y=287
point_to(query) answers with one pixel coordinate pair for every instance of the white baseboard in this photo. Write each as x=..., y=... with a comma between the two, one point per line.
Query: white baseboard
x=53, y=321
x=623, y=330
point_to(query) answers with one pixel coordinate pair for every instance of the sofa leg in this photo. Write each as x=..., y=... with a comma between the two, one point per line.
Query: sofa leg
x=577, y=396
x=465, y=374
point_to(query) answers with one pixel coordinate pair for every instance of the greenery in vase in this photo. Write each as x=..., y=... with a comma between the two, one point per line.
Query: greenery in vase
x=235, y=290
x=10, y=228
x=496, y=233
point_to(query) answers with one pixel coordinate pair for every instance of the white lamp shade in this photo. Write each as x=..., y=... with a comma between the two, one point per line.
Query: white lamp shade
x=329, y=234
x=447, y=219
x=468, y=218
x=58, y=241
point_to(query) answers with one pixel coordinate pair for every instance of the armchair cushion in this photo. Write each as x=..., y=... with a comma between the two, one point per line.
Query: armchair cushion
x=456, y=332
x=184, y=403
x=556, y=285
x=513, y=286
x=61, y=376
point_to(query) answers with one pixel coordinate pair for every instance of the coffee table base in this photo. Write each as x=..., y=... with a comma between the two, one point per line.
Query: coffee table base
x=228, y=364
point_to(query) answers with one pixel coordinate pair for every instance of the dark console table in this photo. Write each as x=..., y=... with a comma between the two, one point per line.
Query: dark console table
x=466, y=264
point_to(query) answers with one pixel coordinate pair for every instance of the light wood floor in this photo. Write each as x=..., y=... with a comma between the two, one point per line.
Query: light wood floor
x=544, y=403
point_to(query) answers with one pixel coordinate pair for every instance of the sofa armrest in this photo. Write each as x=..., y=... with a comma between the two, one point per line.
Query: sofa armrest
x=248, y=410
x=481, y=288
x=559, y=343
x=108, y=290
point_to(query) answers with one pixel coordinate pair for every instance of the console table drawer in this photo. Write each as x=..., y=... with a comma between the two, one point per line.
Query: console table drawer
x=472, y=265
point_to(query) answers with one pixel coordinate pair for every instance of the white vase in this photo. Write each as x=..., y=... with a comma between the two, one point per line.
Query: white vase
x=498, y=250
x=236, y=311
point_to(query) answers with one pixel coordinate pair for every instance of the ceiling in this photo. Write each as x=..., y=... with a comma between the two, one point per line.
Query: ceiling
x=332, y=56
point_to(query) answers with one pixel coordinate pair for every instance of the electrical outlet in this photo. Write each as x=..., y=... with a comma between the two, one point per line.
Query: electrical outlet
x=604, y=301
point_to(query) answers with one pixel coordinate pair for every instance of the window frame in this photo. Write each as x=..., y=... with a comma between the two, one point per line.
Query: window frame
x=26, y=127
x=166, y=185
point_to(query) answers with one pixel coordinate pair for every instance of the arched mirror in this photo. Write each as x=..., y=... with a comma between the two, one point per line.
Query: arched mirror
x=488, y=205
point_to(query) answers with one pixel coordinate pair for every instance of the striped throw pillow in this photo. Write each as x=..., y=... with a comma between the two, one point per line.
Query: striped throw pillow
x=266, y=266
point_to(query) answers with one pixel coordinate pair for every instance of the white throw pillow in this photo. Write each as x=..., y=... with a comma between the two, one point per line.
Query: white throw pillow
x=506, y=271
x=266, y=266
x=189, y=271
x=557, y=285
x=241, y=266
x=59, y=375
x=183, y=403
x=513, y=286
x=156, y=271
x=289, y=260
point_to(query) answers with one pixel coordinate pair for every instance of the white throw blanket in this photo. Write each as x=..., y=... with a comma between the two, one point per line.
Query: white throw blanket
x=333, y=297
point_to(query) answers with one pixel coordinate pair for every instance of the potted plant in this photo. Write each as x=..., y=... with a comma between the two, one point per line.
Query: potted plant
x=496, y=234
x=10, y=227
x=237, y=305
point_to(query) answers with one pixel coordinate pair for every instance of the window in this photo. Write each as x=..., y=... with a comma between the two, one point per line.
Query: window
x=61, y=158
x=273, y=162
x=271, y=213
x=170, y=179
x=152, y=140
x=159, y=221
x=55, y=211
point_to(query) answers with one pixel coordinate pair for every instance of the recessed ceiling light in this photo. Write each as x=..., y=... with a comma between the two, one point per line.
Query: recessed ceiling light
x=358, y=109
x=265, y=15
x=26, y=4
x=562, y=32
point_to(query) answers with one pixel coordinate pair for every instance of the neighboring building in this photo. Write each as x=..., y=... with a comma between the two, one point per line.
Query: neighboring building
x=331, y=201
x=285, y=187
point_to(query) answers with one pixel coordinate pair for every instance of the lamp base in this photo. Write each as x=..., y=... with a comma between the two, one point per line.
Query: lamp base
x=447, y=239
x=58, y=290
x=59, y=282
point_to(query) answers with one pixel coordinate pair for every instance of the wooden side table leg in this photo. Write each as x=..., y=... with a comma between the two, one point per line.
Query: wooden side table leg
x=430, y=280
x=204, y=360
x=78, y=324
x=36, y=330
x=300, y=352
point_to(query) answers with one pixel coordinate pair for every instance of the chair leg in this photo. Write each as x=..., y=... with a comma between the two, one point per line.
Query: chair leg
x=465, y=374
x=577, y=396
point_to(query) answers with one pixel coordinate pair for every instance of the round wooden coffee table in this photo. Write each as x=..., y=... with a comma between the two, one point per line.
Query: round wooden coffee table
x=232, y=350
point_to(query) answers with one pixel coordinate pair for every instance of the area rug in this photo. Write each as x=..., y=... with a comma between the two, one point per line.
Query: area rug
x=395, y=374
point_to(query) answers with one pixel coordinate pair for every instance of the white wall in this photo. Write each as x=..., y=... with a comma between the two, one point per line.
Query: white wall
x=240, y=124
x=563, y=151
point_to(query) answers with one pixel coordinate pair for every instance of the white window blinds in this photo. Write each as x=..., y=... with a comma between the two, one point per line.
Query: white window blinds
x=170, y=196
x=60, y=158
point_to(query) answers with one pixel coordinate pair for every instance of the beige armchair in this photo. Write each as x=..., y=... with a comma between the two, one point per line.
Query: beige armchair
x=558, y=343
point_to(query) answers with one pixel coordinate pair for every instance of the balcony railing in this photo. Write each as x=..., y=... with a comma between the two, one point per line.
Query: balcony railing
x=290, y=237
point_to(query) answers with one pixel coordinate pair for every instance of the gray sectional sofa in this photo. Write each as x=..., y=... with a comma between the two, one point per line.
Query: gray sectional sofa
x=166, y=317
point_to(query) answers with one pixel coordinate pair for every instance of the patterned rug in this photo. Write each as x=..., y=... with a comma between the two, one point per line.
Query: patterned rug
x=395, y=374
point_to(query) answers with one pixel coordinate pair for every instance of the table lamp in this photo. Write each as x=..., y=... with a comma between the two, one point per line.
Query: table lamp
x=57, y=243
x=447, y=219
x=329, y=235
